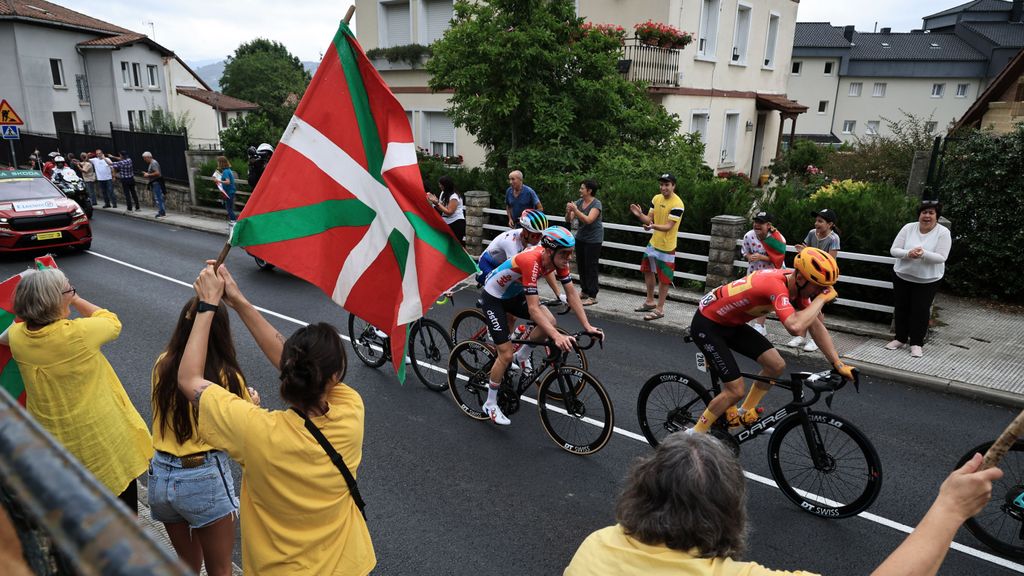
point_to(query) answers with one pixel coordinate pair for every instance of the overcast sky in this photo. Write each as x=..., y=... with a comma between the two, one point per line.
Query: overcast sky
x=203, y=31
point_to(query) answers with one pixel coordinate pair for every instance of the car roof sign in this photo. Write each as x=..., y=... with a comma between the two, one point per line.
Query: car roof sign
x=5, y=174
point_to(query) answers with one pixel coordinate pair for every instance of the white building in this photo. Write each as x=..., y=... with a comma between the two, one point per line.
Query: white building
x=209, y=111
x=729, y=85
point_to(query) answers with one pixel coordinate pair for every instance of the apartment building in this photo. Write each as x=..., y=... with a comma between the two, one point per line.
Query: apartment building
x=729, y=85
x=852, y=82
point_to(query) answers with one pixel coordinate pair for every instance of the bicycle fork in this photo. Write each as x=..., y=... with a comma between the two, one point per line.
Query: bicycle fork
x=819, y=454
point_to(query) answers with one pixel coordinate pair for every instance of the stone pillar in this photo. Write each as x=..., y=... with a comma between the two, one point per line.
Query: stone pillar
x=918, y=174
x=476, y=201
x=725, y=231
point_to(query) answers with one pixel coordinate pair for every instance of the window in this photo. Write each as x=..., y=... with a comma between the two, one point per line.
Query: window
x=707, y=39
x=87, y=127
x=732, y=124
x=131, y=120
x=795, y=69
x=855, y=88
x=699, y=125
x=224, y=119
x=849, y=126
x=82, y=84
x=57, y=72
x=151, y=74
x=136, y=75
x=822, y=106
x=395, y=24
x=828, y=68
x=126, y=75
x=937, y=90
x=879, y=90
x=440, y=133
x=438, y=15
x=773, y=37
x=142, y=119
x=741, y=35
x=872, y=129
x=930, y=127
x=961, y=90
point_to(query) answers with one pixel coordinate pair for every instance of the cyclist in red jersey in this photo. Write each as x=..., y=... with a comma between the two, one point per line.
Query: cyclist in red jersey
x=720, y=326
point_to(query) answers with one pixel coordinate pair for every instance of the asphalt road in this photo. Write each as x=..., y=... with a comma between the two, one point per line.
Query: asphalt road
x=450, y=495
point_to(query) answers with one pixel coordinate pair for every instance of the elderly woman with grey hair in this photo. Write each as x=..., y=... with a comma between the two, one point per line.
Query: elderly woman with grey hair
x=683, y=511
x=70, y=387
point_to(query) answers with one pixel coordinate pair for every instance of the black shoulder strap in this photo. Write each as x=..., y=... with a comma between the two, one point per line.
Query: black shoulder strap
x=338, y=461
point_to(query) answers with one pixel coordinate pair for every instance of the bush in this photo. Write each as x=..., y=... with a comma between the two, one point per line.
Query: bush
x=885, y=159
x=206, y=190
x=250, y=130
x=983, y=193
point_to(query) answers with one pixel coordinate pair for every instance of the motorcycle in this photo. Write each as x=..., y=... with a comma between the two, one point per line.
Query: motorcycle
x=73, y=187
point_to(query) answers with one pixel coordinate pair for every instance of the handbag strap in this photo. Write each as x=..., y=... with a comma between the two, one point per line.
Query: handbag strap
x=338, y=461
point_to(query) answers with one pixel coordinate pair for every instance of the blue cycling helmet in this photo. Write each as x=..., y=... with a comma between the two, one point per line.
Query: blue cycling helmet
x=558, y=238
x=533, y=221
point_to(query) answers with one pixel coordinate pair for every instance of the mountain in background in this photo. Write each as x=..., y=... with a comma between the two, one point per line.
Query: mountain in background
x=211, y=72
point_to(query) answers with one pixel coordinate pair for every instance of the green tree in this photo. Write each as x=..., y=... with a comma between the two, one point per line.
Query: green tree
x=249, y=130
x=265, y=73
x=539, y=91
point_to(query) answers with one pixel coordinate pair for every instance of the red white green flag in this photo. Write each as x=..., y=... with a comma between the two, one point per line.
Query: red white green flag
x=775, y=245
x=10, y=377
x=342, y=203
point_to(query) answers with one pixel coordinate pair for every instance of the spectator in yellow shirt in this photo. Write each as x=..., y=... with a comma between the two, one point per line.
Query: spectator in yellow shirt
x=71, y=388
x=659, y=262
x=298, y=515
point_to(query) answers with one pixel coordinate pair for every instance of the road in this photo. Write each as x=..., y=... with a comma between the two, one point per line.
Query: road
x=449, y=495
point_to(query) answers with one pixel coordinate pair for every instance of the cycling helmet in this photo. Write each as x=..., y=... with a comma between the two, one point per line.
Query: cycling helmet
x=533, y=221
x=557, y=238
x=817, y=266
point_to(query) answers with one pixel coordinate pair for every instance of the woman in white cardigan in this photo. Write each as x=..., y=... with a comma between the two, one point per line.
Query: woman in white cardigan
x=920, y=249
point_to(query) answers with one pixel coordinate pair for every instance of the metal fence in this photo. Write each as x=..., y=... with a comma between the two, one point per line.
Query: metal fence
x=650, y=64
x=639, y=248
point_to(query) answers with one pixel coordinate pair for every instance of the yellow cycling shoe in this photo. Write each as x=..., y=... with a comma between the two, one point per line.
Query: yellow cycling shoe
x=734, y=417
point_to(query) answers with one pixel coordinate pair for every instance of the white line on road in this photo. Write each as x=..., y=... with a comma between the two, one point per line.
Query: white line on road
x=980, y=554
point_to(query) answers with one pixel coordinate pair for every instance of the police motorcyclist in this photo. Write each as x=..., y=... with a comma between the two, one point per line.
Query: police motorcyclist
x=61, y=171
x=259, y=156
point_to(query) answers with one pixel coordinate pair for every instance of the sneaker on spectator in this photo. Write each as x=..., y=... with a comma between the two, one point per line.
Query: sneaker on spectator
x=916, y=352
x=494, y=413
x=894, y=345
x=761, y=329
x=810, y=346
x=797, y=341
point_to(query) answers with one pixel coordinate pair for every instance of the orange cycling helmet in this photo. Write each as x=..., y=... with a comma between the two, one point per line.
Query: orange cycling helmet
x=817, y=266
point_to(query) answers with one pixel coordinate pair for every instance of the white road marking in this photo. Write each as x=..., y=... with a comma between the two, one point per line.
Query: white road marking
x=979, y=554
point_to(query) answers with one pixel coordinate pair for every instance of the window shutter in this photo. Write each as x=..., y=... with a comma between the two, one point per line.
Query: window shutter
x=438, y=15
x=396, y=18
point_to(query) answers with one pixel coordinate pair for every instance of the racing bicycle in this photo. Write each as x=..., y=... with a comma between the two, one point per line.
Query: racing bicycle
x=575, y=410
x=819, y=460
x=1000, y=524
x=429, y=347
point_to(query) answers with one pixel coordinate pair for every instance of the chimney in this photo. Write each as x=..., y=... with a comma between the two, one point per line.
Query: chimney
x=885, y=30
x=1017, y=11
x=849, y=30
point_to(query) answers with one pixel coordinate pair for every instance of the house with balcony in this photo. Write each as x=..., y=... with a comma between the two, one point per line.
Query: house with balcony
x=729, y=85
x=852, y=82
x=64, y=71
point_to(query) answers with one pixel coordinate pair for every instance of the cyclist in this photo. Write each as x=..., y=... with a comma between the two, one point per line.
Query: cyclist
x=532, y=224
x=511, y=289
x=720, y=326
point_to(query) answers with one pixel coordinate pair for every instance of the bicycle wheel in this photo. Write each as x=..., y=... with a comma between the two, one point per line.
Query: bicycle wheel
x=367, y=343
x=579, y=422
x=469, y=324
x=429, y=348
x=1000, y=524
x=845, y=479
x=669, y=402
x=469, y=367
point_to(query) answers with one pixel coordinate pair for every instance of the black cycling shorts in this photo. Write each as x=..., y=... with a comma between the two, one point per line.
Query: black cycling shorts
x=496, y=311
x=717, y=343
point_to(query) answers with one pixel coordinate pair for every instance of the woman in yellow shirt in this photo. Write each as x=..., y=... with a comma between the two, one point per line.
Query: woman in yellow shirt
x=298, y=515
x=191, y=488
x=71, y=388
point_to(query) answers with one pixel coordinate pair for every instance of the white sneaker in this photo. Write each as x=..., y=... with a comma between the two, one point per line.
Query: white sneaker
x=761, y=329
x=916, y=352
x=810, y=346
x=795, y=342
x=495, y=414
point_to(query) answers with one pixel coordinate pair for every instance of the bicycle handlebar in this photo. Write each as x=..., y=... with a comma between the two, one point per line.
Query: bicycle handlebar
x=827, y=381
x=554, y=303
x=591, y=339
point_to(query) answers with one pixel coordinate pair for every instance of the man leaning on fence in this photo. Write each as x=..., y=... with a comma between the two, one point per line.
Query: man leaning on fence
x=156, y=182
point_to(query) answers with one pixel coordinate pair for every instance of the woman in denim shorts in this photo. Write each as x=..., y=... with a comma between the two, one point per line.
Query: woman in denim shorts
x=191, y=489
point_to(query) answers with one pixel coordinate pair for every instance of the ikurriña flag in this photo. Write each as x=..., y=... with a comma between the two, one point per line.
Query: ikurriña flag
x=775, y=245
x=342, y=203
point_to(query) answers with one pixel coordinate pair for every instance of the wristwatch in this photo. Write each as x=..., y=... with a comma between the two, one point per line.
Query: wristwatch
x=205, y=307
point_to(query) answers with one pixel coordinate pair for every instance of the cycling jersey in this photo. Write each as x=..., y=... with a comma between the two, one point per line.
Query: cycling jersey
x=504, y=246
x=519, y=274
x=742, y=300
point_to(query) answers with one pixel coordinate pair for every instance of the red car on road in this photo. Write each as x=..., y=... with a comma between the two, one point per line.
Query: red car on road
x=34, y=214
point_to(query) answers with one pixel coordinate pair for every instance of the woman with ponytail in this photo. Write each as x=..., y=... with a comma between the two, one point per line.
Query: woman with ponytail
x=191, y=488
x=298, y=513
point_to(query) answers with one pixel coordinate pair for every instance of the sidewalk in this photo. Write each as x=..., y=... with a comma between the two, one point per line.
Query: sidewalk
x=973, y=350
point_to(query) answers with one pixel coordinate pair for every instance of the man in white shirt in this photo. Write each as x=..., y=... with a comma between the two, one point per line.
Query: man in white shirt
x=104, y=178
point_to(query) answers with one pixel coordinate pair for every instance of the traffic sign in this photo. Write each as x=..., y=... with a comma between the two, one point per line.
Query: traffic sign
x=8, y=115
x=10, y=132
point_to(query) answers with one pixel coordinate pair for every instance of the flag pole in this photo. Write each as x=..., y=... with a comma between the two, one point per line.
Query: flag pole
x=1006, y=440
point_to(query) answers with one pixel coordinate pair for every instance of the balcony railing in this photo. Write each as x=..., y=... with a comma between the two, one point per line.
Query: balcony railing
x=650, y=64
